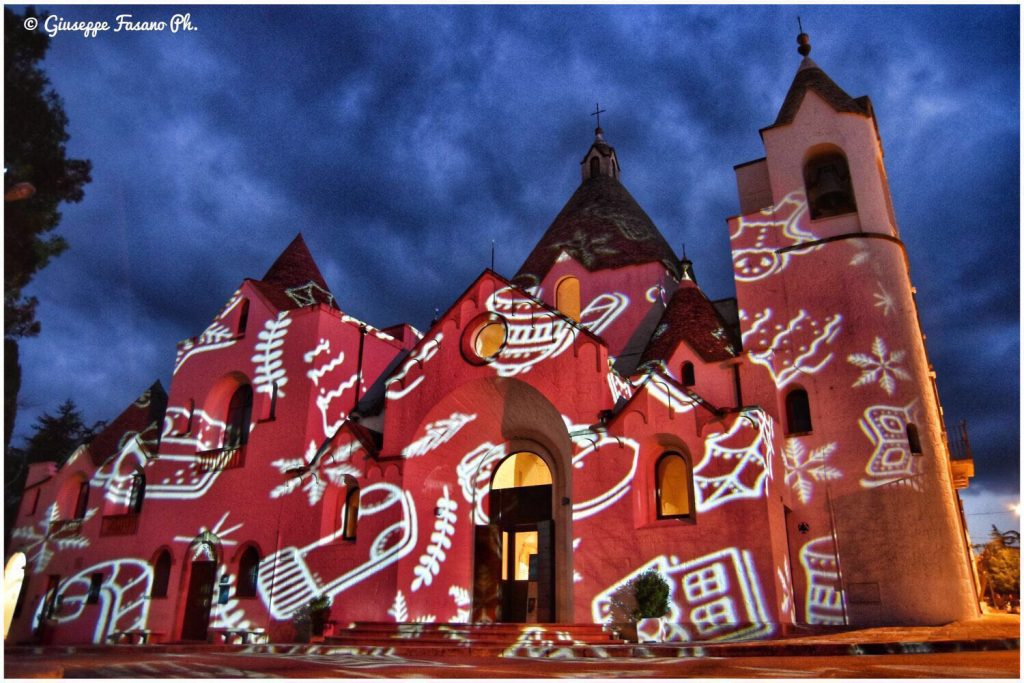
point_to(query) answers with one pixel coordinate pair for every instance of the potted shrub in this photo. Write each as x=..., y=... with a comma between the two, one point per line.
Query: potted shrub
x=319, y=612
x=651, y=592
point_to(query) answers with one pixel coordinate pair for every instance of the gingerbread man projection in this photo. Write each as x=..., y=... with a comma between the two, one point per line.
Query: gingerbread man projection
x=536, y=334
x=757, y=241
x=286, y=581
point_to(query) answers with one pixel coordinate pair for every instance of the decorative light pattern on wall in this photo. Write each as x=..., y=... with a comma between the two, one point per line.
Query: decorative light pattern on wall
x=732, y=467
x=440, y=542
x=417, y=359
x=886, y=428
x=216, y=336
x=270, y=373
x=755, y=241
x=43, y=539
x=437, y=433
x=123, y=597
x=804, y=467
x=824, y=600
x=316, y=474
x=782, y=355
x=881, y=367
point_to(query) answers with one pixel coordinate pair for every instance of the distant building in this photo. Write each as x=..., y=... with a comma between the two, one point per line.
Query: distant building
x=780, y=458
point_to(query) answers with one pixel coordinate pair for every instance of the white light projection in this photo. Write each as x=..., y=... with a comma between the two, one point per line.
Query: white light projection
x=270, y=371
x=803, y=467
x=216, y=336
x=881, y=366
x=41, y=541
x=474, y=473
x=787, y=606
x=463, y=604
x=400, y=611
x=891, y=460
x=285, y=580
x=587, y=445
x=231, y=614
x=440, y=541
x=123, y=597
x=730, y=472
x=117, y=475
x=416, y=359
x=756, y=241
x=668, y=394
x=714, y=597
x=884, y=300
x=331, y=384
x=620, y=386
x=536, y=334
x=766, y=342
x=824, y=601
x=317, y=473
x=437, y=433
x=218, y=530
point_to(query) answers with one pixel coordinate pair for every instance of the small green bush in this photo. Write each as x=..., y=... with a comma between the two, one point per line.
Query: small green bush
x=651, y=592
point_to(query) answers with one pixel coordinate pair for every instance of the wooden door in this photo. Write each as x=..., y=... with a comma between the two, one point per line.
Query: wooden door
x=199, y=600
x=486, y=573
x=545, y=572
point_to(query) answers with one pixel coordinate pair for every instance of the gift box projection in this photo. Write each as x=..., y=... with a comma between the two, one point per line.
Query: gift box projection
x=779, y=458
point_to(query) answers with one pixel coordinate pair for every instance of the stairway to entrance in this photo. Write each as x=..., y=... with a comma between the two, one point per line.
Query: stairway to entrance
x=495, y=640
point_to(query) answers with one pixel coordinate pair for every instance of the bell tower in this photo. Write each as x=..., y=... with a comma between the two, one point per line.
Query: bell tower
x=832, y=345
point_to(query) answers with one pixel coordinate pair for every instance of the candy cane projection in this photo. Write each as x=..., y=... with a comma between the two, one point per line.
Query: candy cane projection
x=123, y=596
x=285, y=580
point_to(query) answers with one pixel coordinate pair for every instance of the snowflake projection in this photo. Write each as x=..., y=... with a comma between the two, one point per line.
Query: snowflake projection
x=217, y=530
x=419, y=356
x=463, y=604
x=270, y=374
x=803, y=468
x=882, y=367
x=309, y=294
x=824, y=599
x=757, y=241
x=713, y=597
x=536, y=334
x=317, y=473
x=884, y=300
x=437, y=433
x=123, y=599
x=585, y=247
x=216, y=336
x=46, y=538
x=734, y=466
x=781, y=353
x=440, y=541
x=891, y=459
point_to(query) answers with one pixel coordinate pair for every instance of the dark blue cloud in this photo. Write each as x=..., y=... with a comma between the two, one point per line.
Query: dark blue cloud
x=402, y=140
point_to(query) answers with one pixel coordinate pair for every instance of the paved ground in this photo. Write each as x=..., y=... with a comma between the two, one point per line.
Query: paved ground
x=983, y=648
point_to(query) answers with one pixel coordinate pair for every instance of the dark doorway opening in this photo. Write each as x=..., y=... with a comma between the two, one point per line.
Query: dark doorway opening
x=199, y=600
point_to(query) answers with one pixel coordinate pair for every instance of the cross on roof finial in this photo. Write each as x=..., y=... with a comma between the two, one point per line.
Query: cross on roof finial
x=597, y=112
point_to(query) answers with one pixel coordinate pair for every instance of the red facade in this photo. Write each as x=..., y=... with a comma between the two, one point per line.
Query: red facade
x=549, y=438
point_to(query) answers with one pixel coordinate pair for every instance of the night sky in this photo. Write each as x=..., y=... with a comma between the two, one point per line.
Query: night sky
x=401, y=140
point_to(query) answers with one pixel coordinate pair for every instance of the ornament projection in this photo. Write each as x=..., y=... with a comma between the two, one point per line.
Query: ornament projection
x=778, y=458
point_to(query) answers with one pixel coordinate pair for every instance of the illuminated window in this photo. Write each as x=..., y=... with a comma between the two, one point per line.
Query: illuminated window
x=248, y=573
x=798, y=412
x=521, y=469
x=913, y=439
x=484, y=338
x=82, y=502
x=161, y=574
x=138, y=493
x=95, y=584
x=350, y=517
x=829, y=190
x=236, y=430
x=526, y=547
x=688, y=376
x=673, y=487
x=567, y=297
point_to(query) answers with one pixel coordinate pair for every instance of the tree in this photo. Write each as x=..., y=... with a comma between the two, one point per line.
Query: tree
x=35, y=133
x=1000, y=562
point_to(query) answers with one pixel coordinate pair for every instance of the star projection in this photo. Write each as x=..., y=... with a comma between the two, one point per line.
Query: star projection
x=881, y=367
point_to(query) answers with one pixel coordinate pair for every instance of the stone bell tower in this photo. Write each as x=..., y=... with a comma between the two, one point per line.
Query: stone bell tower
x=832, y=343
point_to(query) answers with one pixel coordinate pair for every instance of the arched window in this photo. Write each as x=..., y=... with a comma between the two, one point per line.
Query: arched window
x=161, y=574
x=82, y=502
x=248, y=573
x=350, y=516
x=688, y=377
x=798, y=412
x=913, y=439
x=595, y=166
x=829, y=190
x=673, y=487
x=567, y=297
x=138, y=492
x=236, y=429
x=243, y=316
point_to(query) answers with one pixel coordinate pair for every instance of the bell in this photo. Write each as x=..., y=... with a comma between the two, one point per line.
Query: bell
x=830, y=194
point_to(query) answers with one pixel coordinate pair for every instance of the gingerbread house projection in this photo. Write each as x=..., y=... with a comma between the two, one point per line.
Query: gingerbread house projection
x=779, y=457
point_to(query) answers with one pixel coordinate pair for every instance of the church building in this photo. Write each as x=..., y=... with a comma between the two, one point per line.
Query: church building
x=779, y=458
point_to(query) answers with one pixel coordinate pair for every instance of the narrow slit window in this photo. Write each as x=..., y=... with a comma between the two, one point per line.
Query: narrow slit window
x=248, y=573
x=161, y=574
x=914, y=439
x=689, y=378
x=798, y=412
x=95, y=584
x=350, y=517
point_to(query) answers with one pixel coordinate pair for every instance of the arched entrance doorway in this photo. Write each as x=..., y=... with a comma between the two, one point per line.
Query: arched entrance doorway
x=202, y=574
x=515, y=553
